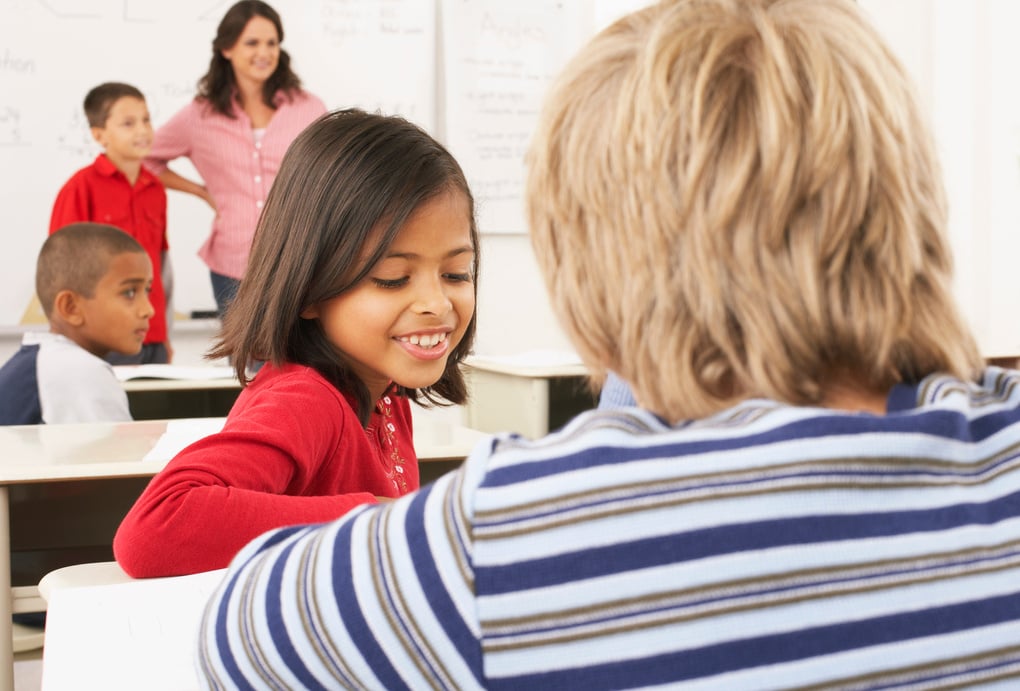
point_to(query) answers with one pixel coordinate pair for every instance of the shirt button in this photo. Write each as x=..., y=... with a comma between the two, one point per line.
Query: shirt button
x=258, y=204
x=258, y=178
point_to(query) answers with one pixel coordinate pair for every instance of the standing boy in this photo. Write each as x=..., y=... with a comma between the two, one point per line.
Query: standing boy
x=821, y=486
x=116, y=189
x=93, y=283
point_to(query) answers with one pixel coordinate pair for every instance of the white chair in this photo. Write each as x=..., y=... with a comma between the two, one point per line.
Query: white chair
x=99, y=573
x=107, y=630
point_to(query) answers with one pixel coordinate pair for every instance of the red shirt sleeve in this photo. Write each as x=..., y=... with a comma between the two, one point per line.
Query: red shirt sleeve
x=291, y=452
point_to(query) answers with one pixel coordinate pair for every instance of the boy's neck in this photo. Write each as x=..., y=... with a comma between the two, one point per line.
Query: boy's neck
x=131, y=169
x=853, y=397
x=74, y=335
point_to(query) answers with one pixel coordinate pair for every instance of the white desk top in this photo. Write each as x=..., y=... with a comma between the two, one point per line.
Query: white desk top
x=535, y=364
x=30, y=453
x=45, y=453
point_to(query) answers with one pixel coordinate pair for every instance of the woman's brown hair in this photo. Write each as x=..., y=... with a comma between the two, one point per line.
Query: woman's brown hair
x=218, y=85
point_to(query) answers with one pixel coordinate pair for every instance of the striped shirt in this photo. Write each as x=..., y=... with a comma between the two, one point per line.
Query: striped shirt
x=769, y=546
x=236, y=168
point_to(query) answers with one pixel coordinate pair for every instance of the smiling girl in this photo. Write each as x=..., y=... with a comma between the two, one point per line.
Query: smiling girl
x=359, y=297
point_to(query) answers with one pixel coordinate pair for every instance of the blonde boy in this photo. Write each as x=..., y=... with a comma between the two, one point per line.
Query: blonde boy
x=93, y=282
x=736, y=207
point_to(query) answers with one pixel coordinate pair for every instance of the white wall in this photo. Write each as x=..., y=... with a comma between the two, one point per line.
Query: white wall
x=962, y=57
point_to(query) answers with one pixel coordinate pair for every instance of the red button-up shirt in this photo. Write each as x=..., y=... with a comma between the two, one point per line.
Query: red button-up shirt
x=102, y=194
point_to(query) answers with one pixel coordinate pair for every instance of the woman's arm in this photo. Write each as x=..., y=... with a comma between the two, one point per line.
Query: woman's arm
x=173, y=181
x=174, y=139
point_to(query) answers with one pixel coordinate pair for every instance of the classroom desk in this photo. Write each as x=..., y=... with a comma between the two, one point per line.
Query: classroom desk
x=67, y=458
x=184, y=397
x=532, y=394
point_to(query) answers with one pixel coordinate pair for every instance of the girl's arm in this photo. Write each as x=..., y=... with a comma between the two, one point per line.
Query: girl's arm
x=289, y=453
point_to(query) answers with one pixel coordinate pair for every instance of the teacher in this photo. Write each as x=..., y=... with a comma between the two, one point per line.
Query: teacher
x=249, y=107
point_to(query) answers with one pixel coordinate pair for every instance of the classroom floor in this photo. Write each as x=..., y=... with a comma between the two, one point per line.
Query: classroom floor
x=28, y=670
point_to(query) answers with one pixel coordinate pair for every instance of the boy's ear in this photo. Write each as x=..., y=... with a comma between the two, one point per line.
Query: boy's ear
x=97, y=134
x=310, y=312
x=67, y=306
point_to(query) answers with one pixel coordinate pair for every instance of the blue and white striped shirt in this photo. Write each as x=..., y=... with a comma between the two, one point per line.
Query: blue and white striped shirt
x=769, y=546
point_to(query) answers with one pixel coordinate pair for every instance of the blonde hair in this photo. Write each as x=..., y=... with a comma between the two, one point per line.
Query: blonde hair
x=736, y=198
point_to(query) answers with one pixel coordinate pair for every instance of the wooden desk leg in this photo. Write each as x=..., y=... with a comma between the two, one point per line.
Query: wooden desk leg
x=6, y=595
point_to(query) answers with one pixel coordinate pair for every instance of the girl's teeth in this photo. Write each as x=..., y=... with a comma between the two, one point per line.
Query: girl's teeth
x=425, y=341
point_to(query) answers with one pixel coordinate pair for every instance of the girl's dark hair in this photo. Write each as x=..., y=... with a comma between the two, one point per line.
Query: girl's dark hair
x=218, y=86
x=348, y=174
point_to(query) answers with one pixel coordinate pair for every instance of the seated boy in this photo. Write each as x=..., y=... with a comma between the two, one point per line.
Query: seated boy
x=93, y=282
x=821, y=488
x=117, y=190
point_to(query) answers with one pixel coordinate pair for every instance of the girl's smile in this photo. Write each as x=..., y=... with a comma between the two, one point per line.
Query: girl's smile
x=427, y=346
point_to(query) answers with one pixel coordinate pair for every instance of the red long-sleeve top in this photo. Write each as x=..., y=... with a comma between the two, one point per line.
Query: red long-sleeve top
x=292, y=451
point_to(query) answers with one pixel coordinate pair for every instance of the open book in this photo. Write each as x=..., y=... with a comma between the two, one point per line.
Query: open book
x=154, y=371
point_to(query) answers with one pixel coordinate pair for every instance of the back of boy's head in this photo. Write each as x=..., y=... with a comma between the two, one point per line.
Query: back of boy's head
x=76, y=257
x=99, y=101
x=345, y=177
x=737, y=198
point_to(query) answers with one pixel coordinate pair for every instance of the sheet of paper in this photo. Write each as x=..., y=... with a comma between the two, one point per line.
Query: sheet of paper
x=181, y=433
x=137, y=635
x=157, y=371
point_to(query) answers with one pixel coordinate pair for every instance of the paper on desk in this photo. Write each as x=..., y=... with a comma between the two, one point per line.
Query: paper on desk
x=137, y=635
x=181, y=433
x=158, y=371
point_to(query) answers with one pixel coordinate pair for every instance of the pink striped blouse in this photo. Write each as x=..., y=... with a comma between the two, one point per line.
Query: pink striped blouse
x=237, y=169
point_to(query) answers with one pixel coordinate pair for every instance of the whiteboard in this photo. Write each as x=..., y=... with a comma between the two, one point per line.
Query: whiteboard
x=374, y=54
x=499, y=59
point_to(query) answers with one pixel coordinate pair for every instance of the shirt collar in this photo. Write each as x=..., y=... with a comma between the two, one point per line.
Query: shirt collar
x=107, y=168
